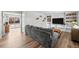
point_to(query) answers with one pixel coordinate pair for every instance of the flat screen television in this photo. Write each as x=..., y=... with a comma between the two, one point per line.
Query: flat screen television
x=58, y=20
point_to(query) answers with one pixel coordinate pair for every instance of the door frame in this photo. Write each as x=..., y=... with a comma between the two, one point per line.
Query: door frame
x=3, y=24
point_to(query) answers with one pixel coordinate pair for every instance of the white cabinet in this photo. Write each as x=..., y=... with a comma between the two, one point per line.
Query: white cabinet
x=64, y=28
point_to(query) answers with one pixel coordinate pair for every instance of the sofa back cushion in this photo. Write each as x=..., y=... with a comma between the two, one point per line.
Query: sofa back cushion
x=42, y=37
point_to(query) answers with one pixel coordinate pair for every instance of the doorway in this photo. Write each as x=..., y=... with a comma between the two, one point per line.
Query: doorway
x=14, y=20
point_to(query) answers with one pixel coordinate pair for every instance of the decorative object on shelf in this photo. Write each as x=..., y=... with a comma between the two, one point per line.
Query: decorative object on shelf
x=68, y=21
x=71, y=13
x=74, y=22
x=37, y=18
x=73, y=17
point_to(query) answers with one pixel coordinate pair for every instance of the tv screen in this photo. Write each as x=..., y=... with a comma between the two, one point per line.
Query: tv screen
x=57, y=21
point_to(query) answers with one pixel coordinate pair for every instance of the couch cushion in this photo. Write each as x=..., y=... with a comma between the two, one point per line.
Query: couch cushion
x=55, y=38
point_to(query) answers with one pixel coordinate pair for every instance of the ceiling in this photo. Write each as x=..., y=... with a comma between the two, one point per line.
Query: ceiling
x=19, y=12
x=51, y=12
x=44, y=12
x=48, y=12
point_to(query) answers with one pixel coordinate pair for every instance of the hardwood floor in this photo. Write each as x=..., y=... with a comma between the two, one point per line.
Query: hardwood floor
x=16, y=39
x=66, y=42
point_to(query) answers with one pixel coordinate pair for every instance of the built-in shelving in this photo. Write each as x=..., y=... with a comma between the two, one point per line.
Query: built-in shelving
x=70, y=17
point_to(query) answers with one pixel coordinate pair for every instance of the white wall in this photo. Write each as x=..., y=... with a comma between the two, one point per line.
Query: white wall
x=29, y=18
x=57, y=15
x=0, y=24
x=23, y=22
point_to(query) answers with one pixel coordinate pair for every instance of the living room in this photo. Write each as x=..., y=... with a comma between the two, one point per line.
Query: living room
x=39, y=29
x=69, y=20
x=37, y=24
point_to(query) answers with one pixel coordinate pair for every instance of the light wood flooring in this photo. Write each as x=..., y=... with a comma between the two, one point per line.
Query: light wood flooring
x=66, y=42
x=16, y=39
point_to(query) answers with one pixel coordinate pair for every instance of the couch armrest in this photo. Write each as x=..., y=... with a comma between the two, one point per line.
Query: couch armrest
x=57, y=31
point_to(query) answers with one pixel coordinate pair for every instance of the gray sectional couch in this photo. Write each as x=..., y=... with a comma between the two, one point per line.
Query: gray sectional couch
x=44, y=36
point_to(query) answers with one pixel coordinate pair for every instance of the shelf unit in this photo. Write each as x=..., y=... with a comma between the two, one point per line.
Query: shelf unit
x=70, y=16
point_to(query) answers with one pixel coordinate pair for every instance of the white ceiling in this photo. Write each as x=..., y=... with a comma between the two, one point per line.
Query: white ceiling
x=47, y=12
x=44, y=12
x=51, y=12
x=19, y=12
